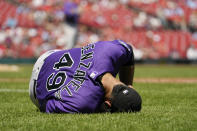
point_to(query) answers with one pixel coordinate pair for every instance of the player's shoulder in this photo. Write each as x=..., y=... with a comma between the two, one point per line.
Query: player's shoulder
x=124, y=44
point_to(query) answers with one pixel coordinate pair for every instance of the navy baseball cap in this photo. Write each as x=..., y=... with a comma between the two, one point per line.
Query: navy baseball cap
x=125, y=99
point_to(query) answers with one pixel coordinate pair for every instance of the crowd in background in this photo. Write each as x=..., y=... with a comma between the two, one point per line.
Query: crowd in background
x=155, y=28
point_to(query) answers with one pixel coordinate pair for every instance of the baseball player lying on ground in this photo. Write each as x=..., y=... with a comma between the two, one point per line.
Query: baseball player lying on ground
x=83, y=80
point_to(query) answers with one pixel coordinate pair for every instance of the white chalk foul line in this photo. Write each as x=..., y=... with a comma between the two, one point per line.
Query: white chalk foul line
x=14, y=90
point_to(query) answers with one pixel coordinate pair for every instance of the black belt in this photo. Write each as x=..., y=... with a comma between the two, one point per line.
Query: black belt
x=34, y=88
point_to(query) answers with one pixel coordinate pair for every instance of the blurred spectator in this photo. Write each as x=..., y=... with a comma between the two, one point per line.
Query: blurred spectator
x=193, y=21
x=194, y=36
x=2, y=36
x=11, y=22
x=71, y=11
x=138, y=54
x=155, y=23
x=192, y=53
x=37, y=3
x=192, y=4
x=39, y=17
x=173, y=9
x=140, y=20
x=174, y=54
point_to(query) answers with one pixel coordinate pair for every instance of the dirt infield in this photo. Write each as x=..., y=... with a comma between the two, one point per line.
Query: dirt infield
x=8, y=68
x=137, y=80
x=165, y=80
x=14, y=80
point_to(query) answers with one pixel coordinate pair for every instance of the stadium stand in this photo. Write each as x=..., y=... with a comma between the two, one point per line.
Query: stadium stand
x=158, y=28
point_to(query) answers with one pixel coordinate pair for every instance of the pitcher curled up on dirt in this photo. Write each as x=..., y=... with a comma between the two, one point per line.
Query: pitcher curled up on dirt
x=83, y=80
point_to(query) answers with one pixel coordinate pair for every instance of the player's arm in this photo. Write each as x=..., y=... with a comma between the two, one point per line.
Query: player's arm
x=126, y=74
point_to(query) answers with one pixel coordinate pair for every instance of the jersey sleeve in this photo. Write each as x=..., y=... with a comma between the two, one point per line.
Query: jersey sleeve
x=109, y=56
x=130, y=54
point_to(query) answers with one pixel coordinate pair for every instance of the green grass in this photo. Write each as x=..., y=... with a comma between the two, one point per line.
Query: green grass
x=185, y=71
x=166, y=106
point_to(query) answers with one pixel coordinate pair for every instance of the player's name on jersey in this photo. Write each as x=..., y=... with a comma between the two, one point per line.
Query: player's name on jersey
x=80, y=73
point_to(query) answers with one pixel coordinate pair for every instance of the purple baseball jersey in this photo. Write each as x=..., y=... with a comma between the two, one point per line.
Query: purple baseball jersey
x=67, y=82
